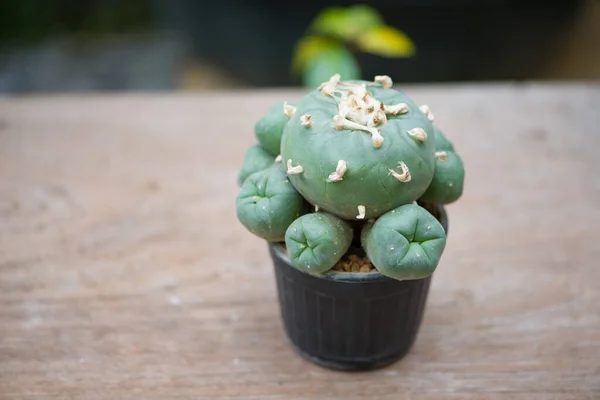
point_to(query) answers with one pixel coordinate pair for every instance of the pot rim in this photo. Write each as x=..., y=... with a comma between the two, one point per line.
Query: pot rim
x=363, y=277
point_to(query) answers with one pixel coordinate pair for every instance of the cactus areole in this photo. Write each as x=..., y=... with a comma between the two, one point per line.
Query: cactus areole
x=351, y=159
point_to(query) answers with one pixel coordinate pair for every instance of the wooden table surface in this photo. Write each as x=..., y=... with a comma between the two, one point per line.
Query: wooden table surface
x=125, y=274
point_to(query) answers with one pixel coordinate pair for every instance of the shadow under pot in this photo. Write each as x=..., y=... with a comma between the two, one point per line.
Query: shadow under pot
x=349, y=321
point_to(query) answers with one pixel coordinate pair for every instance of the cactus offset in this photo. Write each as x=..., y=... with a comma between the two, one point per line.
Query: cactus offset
x=404, y=243
x=447, y=184
x=268, y=129
x=361, y=153
x=256, y=159
x=268, y=203
x=315, y=242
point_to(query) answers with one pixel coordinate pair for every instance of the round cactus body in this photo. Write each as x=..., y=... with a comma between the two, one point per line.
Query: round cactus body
x=441, y=141
x=358, y=149
x=315, y=242
x=268, y=129
x=405, y=243
x=448, y=178
x=256, y=159
x=268, y=203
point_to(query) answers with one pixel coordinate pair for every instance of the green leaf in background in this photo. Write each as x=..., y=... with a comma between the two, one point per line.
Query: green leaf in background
x=308, y=48
x=362, y=17
x=325, y=49
x=386, y=41
x=336, y=60
x=346, y=23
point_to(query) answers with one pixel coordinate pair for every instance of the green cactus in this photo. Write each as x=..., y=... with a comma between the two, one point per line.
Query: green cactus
x=268, y=129
x=316, y=242
x=441, y=141
x=268, y=203
x=448, y=179
x=387, y=163
x=363, y=153
x=256, y=159
x=405, y=243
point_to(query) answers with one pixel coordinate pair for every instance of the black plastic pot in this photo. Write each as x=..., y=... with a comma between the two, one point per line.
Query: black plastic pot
x=349, y=321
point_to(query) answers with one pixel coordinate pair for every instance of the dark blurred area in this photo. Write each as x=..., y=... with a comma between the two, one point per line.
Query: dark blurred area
x=109, y=45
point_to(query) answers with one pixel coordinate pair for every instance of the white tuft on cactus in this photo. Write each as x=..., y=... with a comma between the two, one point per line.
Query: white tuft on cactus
x=361, y=212
x=404, y=176
x=306, y=120
x=395, y=109
x=419, y=134
x=294, y=170
x=339, y=172
x=427, y=111
x=288, y=109
x=441, y=155
x=385, y=81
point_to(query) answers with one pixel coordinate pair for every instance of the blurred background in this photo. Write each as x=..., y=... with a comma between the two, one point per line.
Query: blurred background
x=176, y=45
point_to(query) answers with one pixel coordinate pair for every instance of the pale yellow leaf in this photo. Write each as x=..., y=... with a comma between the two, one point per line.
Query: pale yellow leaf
x=386, y=41
x=346, y=23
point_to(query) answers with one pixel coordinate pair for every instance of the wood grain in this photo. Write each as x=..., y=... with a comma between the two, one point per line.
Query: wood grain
x=125, y=274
